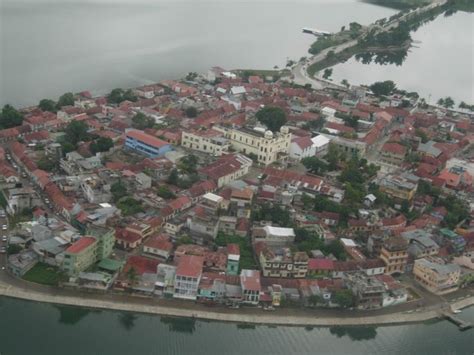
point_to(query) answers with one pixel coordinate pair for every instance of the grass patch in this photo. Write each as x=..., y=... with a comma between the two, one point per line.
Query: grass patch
x=412, y=295
x=44, y=274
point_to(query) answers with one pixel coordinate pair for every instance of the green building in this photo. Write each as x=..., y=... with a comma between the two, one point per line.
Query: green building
x=80, y=255
x=96, y=246
x=233, y=258
x=105, y=240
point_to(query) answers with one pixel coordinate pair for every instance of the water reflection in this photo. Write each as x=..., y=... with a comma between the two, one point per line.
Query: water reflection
x=396, y=57
x=181, y=325
x=246, y=326
x=72, y=315
x=127, y=320
x=354, y=333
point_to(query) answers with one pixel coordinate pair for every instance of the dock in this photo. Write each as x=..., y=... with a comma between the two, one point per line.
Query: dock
x=461, y=324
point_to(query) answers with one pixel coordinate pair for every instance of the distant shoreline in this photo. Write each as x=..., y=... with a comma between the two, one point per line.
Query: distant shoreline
x=250, y=316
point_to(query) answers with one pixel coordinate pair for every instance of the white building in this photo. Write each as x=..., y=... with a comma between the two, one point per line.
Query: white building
x=188, y=275
x=275, y=236
x=320, y=144
x=301, y=147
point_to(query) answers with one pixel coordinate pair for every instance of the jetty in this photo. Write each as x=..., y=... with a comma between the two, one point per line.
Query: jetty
x=462, y=324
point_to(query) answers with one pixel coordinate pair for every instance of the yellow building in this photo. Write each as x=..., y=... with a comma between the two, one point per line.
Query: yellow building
x=208, y=141
x=436, y=276
x=399, y=187
x=266, y=146
x=394, y=254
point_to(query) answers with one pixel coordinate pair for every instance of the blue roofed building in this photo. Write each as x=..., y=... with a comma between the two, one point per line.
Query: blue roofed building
x=146, y=144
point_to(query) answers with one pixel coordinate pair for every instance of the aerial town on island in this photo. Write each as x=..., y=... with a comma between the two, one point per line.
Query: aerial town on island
x=240, y=188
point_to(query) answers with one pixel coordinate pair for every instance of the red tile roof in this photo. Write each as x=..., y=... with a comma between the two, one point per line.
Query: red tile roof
x=146, y=138
x=394, y=148
x=320, y=264
x=141, y=264
x=80, y=245
x=190, y=266
x=160, y=242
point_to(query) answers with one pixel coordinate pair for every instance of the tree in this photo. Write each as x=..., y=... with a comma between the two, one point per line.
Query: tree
x=448, y=102
x=67, y=147
x=165, y=192
x=115, y=96
x=314, y=300
x=354, y=26
x=118, y=190
x=13, y=249
x=103, y=144
x=382, y=88
x=118, y=95
x=132, y=276
x=129, y=206
x=47, y=164
x=47, y=105
x=314, y=165
x=188, y=164
x=334, y=156
x=440, y=102
x=327, y=73
x=331, y=54
x=66, y=99
x=336, y=248
x=173, y=178
x=191, y=111
x=420, y=133
x=76, y=131
x=191, y=76
x=142, y=121
x=345, y=83
x=272, y=117
x=344, y=298
x=10, y=117
x=128, y=95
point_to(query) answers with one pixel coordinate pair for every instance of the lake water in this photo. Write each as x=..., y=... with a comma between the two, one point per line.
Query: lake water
x=28, y=328
x=48, y=48
x=441, y=65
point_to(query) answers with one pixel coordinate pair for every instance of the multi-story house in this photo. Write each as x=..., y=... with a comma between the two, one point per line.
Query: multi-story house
x=105, y=239
x=266, y=146
x=368, y=290
x=208, y=141
x=395, y=255
x=274, y=236
x=436, y=276
x=227, y=169
x=80, y=255
x=420, y=243
x=188, y=275
x=393, y=153
x=96, y=246
x=146, y=144
x=251, y=286
x=281, y=262
x=400, y=187
x=233, y=259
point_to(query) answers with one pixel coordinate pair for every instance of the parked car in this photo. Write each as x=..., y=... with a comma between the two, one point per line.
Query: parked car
x=3, y=250
x=4, y=238
x=4, y=227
